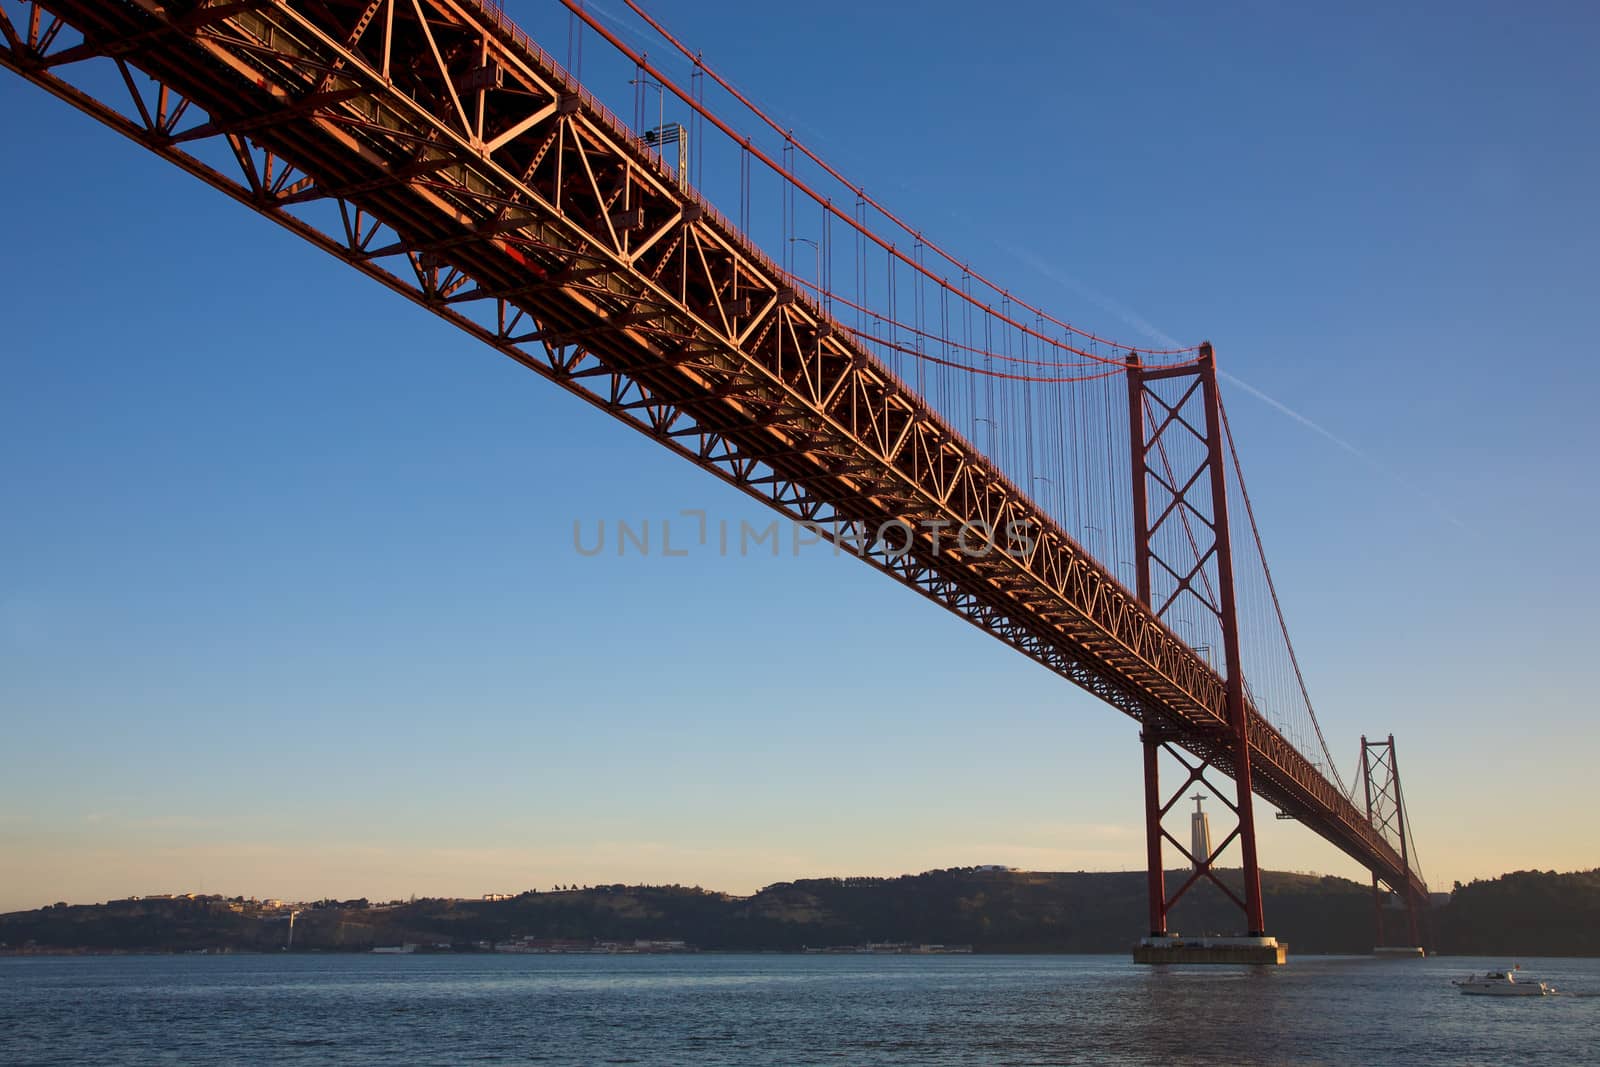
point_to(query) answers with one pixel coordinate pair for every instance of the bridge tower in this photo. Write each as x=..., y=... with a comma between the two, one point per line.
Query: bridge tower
x=1386, y=810
x=1176, y=439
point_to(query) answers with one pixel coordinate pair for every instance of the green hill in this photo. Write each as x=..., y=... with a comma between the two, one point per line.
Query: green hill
x=1527, y=913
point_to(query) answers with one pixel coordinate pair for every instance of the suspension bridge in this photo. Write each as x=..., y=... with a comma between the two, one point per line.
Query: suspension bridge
x=1078, y=498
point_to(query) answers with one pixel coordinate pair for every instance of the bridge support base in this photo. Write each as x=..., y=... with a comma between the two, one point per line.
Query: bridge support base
x=1399, y=952
x=1267, y=951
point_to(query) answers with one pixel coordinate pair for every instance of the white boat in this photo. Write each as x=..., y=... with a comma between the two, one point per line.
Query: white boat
x=1502, y=984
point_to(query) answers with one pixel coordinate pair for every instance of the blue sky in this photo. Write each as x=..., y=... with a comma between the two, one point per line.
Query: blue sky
x=288, y=598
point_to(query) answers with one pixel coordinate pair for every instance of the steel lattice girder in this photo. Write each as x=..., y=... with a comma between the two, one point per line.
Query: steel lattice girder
x=492, y=190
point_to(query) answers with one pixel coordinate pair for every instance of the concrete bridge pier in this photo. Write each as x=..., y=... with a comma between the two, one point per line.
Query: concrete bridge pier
x=1175, y=948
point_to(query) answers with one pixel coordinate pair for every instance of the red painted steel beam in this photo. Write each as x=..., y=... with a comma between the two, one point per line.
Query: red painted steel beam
x=1154, y=869
x=759, y=392
x=1230, y=640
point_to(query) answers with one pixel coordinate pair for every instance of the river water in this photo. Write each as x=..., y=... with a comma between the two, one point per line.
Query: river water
x=779, y=1009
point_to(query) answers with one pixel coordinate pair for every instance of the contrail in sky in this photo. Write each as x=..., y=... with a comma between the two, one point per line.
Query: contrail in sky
x=1366, y=457
x=1166, y=340
x=1302, y=420
x=1121, y=311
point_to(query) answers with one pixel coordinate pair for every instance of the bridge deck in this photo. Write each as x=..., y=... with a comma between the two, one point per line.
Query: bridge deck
x=432, y=146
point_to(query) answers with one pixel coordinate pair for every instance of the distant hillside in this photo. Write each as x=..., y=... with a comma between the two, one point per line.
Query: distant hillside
x=1534, y=913
x=1527, y=913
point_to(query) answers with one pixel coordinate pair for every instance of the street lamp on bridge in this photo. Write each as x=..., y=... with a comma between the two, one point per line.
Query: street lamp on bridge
x=816, y=250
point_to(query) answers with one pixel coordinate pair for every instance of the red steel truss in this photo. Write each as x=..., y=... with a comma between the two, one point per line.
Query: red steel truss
x=1386, y=810
x=433, y=147
x=1192, y=498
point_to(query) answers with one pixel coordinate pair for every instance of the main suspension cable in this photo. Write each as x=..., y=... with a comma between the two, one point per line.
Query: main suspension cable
x=1277, y=606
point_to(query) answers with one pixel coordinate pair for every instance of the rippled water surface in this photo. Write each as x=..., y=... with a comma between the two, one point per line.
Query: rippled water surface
x=714, y=1009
